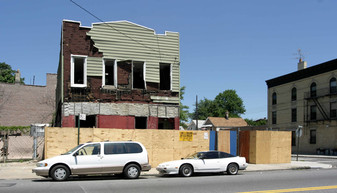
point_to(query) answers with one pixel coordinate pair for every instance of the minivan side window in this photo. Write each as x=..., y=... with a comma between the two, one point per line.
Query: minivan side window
x=91, y=149
x=133, y=148
x=114, y=148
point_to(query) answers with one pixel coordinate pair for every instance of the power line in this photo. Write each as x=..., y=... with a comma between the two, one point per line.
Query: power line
x=112, y=27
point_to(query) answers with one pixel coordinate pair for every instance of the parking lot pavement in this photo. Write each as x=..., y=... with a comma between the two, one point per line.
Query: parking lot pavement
x=23, y=170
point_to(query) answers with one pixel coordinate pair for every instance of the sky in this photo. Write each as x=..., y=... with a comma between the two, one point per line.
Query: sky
x=224, y=44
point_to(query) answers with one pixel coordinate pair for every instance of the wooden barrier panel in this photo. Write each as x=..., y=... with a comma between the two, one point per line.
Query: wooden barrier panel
x=162, y=145
x=270, y=147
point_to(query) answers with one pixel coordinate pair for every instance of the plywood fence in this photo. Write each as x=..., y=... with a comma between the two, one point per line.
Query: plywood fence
x=162, y=145
x=270, y=147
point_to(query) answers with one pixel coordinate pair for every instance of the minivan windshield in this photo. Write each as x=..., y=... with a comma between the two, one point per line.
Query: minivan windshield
x=72, y=150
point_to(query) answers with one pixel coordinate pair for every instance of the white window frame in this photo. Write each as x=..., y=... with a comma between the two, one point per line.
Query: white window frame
x=72, y=69
x=115, y=72
x=144, y=72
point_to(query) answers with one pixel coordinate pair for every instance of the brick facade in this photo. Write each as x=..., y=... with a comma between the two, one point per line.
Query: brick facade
x=76, y=42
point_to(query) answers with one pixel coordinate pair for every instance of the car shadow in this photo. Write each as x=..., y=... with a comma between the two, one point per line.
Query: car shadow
x=196, y=175
x=89, y=178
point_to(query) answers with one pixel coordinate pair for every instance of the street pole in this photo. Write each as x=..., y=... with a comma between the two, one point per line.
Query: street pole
x=78, y=129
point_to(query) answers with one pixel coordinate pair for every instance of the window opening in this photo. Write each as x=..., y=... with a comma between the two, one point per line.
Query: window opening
x=313, y=112
x=273, y=117
x=313, y=90
x=140, y=122
x=294, y=115
x=274, y=99
x=293, y=94
x=165, y=123
x=312, y=136
x=109, y=72
x=92, y=149
x=90, y=122
x=165, y=76
x=114, y=148
x=333, y=109
x=78, y=71
x=333, y=86
x=138, y=75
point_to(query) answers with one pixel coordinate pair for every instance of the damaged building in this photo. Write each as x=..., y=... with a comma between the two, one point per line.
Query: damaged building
x=117, y=75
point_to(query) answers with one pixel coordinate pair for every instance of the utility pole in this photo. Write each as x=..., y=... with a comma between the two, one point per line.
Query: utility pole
x=196, y=112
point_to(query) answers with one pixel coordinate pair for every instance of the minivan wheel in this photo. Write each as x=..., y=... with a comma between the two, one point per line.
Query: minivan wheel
x=132, y=171
x=60, y=173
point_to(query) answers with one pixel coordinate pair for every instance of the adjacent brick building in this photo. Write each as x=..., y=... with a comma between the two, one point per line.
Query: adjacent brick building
x=119, y=75
x=23, y=105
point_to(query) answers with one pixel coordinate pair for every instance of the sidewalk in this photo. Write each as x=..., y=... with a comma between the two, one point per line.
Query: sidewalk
x=17, y=170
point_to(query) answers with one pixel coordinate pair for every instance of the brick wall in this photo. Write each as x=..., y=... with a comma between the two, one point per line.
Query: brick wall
x=23, y=105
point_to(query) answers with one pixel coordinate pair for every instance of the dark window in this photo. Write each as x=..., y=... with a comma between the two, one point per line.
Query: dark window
x=274, y=99
x=313, y=112
x=293, y=115
x=140, y=122
x=89, y=122
x=293, y=138
x=138, y=75
x=133, y=148
x=312, y=136
x=165, y=76
x=273, y=118
x=225, y=155
x=333, y=86
x=165, y=123
x=78, y=70
x=293, y=94
x=109, y=72
x=333, y=109
x=212, y=155
x=313, y=90
x=114, y=148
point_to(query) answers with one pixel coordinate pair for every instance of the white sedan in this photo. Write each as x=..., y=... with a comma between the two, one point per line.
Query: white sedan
x=208, y=161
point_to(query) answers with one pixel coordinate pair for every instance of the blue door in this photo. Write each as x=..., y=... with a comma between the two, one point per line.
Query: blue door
x=212, y=140
x=233, y=142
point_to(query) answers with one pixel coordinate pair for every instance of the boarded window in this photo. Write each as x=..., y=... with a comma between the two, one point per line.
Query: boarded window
x=294, y=115
x=313, y=112
x=140, y=122
x=312, y=136
x=273, y=118
x=333, y=110
x=138, y=75
x=165, y=76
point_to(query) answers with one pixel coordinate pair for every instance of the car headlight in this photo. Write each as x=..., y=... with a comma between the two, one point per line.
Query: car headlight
x=41, y=164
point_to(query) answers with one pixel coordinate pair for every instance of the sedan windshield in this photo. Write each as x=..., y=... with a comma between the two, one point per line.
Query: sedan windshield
x=72, y=150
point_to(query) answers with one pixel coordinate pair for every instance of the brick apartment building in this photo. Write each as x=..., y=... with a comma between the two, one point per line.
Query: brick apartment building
x=23, y=105
x=119, y=75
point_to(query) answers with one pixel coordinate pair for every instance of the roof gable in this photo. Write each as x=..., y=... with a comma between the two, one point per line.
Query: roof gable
x=225, y=123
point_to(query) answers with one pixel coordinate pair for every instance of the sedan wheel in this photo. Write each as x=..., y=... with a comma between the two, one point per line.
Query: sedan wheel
x=186, y=170
x=60, y=173
x=132, y=171
x=232, y=169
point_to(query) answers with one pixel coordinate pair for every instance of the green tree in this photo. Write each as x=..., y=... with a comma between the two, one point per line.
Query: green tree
x=205, y=109
x=225, y=101
x=228, y=101
x=259, y=122
x=7, y=74
x=183, y=109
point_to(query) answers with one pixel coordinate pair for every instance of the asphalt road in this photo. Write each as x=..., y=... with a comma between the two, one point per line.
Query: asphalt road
x=244, y=182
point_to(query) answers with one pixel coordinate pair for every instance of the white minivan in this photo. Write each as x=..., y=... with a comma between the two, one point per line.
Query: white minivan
x=121, y=157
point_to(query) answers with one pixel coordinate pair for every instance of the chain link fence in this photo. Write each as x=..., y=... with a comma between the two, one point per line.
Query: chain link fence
x=16, y=147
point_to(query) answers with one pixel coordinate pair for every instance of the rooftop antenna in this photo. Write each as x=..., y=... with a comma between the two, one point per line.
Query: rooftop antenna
x=300, y=55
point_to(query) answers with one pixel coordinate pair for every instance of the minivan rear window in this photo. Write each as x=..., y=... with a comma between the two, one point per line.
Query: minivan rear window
x=133, y=148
